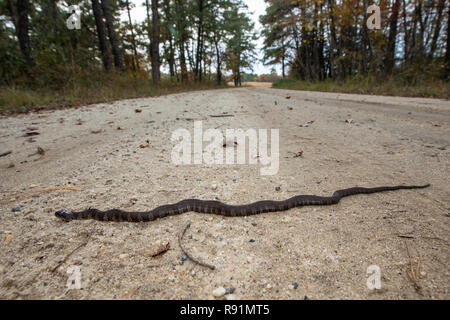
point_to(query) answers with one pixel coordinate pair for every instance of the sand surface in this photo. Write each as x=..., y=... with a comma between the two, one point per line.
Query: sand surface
x=318, y=252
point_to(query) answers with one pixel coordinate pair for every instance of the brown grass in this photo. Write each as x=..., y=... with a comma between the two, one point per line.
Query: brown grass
x=253, y=84
x=94, y=88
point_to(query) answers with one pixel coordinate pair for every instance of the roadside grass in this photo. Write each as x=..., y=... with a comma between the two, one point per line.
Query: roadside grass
x=88, y=89
x=394, y=86
x=252, y=84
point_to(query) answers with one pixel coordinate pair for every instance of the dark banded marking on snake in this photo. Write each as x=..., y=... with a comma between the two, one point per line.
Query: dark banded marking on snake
x=220, y=208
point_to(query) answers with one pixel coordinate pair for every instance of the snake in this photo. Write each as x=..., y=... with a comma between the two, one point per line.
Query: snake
x=220, y=208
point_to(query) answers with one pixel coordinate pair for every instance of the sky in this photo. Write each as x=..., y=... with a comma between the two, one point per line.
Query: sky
x=255, y=8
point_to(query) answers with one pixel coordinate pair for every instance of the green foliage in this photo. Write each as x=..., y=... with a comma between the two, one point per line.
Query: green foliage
x=246, y=77
x=68, y=67
x=240, y=45
x=321, y=39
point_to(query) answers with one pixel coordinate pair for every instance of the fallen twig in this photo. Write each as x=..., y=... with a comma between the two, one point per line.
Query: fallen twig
x=131, y=292
x=405, y=236
x=39, y=151
x=221, y=115
x=67, y=256
x=61, y=188
x=180, y=237
x=414, y=274
x=5, y=153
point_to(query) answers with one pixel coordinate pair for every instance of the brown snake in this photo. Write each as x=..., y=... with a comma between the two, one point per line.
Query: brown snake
x=220, y=208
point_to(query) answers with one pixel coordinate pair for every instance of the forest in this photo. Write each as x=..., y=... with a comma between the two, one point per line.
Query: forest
x=181, y=45
x=320, y=40
x=62, y=53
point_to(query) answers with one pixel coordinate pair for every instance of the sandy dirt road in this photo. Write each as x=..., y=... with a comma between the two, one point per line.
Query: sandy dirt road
x=320, y=252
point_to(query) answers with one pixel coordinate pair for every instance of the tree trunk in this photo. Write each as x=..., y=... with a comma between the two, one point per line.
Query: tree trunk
x=118, y=60
x=306, y=42
x=447, y=49
x=171, y=59
x=437, y=28
x=135, y=63
x=321, y=53
x=366, y=45
x=202, y=58
x=406, y=33
x=198, y=55
x=418, y=42
x=103, y=43
x=219, y=60
x=183, y=67
x=237, y=77
x=23, y=8
x=315, y=47
x=190, y=56
x=149, y=30
x=390, y=53
x=182, y=39
x=333, y=40
x=51, y=12
x=155, y=43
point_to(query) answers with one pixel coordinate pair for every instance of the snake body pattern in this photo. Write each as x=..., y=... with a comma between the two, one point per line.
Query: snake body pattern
x=220, y=208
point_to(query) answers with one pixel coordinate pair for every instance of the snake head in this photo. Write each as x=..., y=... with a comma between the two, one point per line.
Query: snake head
x=66, y=215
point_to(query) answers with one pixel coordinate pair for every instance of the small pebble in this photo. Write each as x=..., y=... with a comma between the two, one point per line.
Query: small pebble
x=277, y=188
x=124, y=256
x=294, y=285
x=219, y=292
x=214, y=187
x=229, y=290
x=251, y=240
x=15, y=209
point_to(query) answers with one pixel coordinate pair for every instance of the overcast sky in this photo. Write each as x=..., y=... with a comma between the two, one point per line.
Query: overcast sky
x=255, y=7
